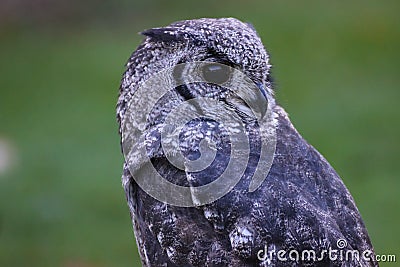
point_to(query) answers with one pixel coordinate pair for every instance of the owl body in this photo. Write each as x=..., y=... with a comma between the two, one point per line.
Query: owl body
x=301, y=205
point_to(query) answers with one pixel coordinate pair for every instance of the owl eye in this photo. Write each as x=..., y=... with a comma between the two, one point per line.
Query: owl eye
x=216, y=73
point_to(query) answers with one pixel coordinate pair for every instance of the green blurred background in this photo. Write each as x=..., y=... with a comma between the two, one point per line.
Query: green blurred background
x=336, y=67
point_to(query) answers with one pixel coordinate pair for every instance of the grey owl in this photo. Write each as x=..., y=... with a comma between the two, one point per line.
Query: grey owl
x=300, y=214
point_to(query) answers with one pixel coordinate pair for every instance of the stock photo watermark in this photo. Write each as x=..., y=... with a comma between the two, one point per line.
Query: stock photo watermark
x=136, y=135
x=342, y=254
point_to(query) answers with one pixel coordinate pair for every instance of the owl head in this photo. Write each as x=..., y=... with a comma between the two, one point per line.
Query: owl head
x=217, y=42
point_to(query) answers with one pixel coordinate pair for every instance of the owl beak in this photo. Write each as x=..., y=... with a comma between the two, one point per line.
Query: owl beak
x=260, y=103
x=256, y=102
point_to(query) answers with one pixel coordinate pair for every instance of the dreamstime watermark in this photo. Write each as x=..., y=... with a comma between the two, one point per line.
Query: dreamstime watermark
x=139, y=129
x=308, y=255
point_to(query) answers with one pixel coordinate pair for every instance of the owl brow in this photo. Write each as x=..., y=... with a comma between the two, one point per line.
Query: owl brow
x=218, y=57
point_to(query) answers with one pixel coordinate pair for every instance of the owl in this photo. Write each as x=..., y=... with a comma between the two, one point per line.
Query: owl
x=215, y=174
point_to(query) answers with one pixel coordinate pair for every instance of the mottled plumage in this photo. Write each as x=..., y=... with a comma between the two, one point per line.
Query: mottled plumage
x=302, y=204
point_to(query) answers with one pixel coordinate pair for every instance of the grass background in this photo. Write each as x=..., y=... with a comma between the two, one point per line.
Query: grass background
x=336, y=67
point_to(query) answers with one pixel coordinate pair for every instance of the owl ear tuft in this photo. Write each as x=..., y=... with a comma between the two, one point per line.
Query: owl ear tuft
x=167, y=34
